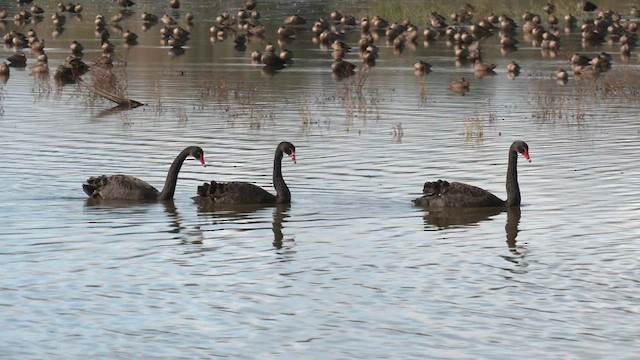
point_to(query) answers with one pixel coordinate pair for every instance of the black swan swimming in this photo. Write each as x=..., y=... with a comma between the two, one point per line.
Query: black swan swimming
x=125, y=187
x=444, y=194
x=243, y=193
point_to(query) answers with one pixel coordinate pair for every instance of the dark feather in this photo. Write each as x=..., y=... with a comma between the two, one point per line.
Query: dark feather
x=122, y=187
x=444, y=194
x=233, y=193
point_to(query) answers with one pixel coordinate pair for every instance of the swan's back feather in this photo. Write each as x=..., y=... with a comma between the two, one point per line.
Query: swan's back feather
x=119, y=187
x=444, y=194
x=235, y=192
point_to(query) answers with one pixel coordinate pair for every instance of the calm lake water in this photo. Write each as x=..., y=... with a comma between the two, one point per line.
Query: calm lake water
x=351, y=269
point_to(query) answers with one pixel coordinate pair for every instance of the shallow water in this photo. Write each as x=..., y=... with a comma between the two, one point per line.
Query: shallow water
x=350, y=269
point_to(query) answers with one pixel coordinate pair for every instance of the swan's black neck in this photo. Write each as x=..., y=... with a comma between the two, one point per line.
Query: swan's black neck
x=513, y=189
x=283, y=195
x=169, y=188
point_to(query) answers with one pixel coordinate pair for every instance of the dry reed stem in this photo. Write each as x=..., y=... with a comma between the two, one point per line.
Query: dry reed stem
x=474, y=127
x=305, y=115
x=114, y=81
x=354, y=99
x=236, y=101
x=424, y=96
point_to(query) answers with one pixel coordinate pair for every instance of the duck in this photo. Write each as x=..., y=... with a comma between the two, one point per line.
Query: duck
x=125, y=3
x=4, y=69
x=480, y=65
x=148, y=17
x=40, y=69
x=256, y=56
x=459, y=85
x=17, y=60
x=250, y=4
x=562, y=75
x=513, y=67
x=295, y=20
x=129, y=36
x=342, y=68
x=422, y=67
x=76, y=47
x=168, y=20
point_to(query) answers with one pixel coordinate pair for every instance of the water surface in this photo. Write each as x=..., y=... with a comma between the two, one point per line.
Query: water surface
x=350, y=269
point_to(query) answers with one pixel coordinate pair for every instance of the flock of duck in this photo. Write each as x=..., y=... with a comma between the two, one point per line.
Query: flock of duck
x=436, y=194
x=462, y=33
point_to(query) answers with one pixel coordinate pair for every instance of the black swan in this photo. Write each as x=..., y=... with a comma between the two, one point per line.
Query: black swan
x=125, y=187
x=243, y=193
x=444, y=194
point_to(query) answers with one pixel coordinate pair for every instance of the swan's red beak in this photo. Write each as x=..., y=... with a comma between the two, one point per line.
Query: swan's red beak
x=293, y=157
x=526, y=155
x=202, y=160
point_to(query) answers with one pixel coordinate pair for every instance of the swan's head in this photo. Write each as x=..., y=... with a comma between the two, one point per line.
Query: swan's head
x=522, y=147
x=289, y=149
x=197, y=153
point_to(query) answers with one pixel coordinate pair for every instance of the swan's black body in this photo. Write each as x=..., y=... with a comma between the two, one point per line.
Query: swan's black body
x=246, y=193
x=125, y=187
x=444, y=194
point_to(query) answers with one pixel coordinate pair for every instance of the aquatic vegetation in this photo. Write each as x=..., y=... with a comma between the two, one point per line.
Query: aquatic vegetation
x=41, y=88
x=306, y=116
x=474, y=127
x=550, y=107
x=620, y=84
x=358, y=100
x=236, y=101
x=114, y=81
x=398, y=132
x=424, y=94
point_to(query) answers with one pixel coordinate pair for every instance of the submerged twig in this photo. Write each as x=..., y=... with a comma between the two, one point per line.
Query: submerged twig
x=120, y=100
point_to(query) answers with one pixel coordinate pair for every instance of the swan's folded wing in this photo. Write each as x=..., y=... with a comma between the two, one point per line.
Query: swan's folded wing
x=465, y=195
x=444, y=194
x=233, y=193
x=241, y=193
x=121, y=187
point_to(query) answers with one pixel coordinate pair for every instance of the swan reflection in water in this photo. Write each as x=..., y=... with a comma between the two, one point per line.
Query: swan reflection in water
x=223, y=213
x=443, y=218
x=139, y=207
x=194, y=235
x=511, y=228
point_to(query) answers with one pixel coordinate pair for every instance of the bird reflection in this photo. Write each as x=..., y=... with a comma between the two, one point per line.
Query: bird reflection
x=118, y=109
x=511, y=228
x=170, y=209
x=452, y=217
x=448, y=217
x=185, y=234
x=117, y=203
x=230, y=212
x=140, y=207
x=279, y=213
